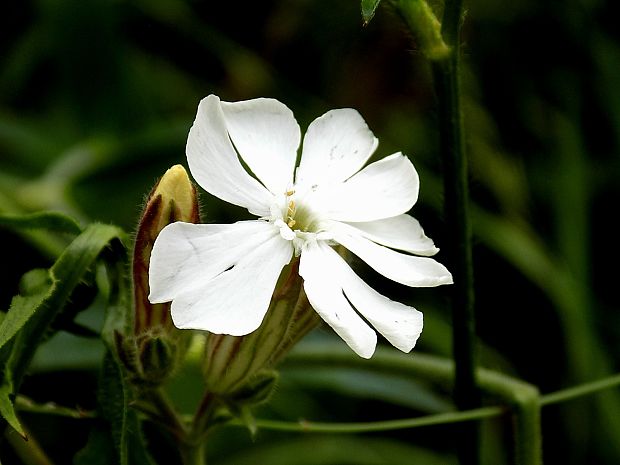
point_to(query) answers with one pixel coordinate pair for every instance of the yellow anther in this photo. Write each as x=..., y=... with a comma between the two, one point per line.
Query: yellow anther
x=289, y=193
x=290, y=214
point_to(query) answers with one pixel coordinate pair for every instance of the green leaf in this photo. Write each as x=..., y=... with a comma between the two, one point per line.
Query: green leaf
x=44, y=293
x=51, y=221
x=7, y=410
x=368, y=9
x=126, y=432
x=98, y=450
x=36, y=288
x=113, y=400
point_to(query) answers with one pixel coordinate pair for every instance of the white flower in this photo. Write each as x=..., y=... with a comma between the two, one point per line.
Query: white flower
x=220, y=277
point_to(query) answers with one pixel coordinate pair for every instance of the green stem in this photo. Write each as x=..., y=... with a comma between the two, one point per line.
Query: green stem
x=190, y=442
x=29, y=452
x=193, y=454
x=374, y=426
x=525, y=422
x=580, y=390
x=24, y=404
x=201, y=419
x=527, y=430
x=451, y=22
x=456, y=192
x=166, y=415
x=458, y=226
x=521, y=396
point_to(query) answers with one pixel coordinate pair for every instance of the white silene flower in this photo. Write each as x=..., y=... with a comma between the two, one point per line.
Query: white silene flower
x=221, y=277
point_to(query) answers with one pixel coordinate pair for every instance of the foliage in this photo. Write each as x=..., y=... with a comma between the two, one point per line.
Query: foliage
x=96, y=98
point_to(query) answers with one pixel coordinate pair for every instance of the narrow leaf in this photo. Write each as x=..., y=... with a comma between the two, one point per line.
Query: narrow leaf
x=45, y=293
x=36, y=287
x=113, y=400
x=98, y=450
x=43, y=296
x=368, y=10
x=51, y=221
x=7, y=410
x=126, y=433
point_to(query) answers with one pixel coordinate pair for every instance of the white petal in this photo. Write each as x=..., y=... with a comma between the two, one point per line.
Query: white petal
x=187, y=255
x=326, y=297
x=265, y=133
x=335, y=147
x=385, y=188
x=236, y=301
x=215, y=165
x=401, y=232
x=399, y=267
x=400, y=324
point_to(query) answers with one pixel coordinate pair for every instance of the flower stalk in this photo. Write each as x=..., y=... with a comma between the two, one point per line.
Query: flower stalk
x=424, y=26
x=193, y=454
x=446, y=76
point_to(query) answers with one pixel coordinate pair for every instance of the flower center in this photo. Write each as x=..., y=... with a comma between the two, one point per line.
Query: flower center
x=298, y=216
x=297, y=220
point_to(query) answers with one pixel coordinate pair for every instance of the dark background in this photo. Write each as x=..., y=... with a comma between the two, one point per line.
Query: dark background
x=97, y=96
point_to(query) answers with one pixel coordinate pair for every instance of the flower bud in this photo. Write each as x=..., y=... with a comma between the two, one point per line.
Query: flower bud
x=157, y=357
x=172, y=199
x=156, y=345
x=233, y=363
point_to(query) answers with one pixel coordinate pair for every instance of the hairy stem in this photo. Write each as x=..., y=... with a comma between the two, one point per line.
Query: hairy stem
x=452, y=147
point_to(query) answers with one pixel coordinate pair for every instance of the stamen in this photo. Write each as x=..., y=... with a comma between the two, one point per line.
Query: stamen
x=290, y=214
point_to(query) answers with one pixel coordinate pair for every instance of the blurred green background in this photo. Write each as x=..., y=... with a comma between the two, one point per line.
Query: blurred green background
x=97, y=96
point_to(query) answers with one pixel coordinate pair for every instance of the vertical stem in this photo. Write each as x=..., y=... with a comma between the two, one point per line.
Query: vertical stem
x=193, y=454
x=452, y=148
x=202, y=416
x=527, y=434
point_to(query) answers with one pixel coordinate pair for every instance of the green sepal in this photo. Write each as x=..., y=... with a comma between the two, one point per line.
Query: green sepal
x=157, y=358
x=368, y=10
x=248, y=419
x=256, y=391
